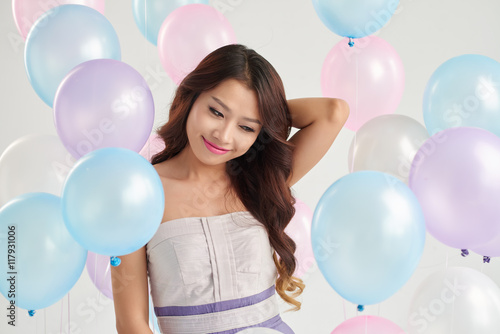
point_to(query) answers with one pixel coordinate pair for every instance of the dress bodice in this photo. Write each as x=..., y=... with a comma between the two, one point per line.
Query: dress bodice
x=213, y=274
x=198, y=260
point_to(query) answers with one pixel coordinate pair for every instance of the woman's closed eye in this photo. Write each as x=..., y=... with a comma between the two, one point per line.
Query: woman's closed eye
x=217, y=113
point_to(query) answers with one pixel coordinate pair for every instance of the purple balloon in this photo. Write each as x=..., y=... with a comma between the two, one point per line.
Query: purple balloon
x=98, y=267
x=103, y=103
x=456, y=178
x=490, y=249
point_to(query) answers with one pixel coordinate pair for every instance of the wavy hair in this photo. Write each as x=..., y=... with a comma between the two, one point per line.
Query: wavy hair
x=258, y=177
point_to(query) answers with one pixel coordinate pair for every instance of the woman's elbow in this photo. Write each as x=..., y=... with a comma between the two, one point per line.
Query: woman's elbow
x=339, y=112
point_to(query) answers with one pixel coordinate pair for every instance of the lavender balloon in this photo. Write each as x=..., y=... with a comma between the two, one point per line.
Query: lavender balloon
x=455, y=176
x=98, y=268
x=103, y=103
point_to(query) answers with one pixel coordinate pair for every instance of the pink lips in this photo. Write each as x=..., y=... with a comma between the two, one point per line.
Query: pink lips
x=214, y=148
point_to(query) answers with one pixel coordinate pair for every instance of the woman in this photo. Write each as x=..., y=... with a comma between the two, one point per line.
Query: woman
x=227, y=169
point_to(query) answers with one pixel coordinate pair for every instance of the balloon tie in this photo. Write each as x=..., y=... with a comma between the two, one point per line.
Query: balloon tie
x=115, y=261
x=361, y=308
x=351, y=42
x=486, y=259
x=465, y=252
x=31, y=312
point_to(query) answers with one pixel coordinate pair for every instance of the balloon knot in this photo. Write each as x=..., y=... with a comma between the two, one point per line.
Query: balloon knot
x=351, y=42
x=115, y=261
x=465, y=252
x=361, y=308
x=31, y=312
x=486, y=259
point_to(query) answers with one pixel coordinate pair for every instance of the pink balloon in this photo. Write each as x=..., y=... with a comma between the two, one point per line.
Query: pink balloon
x=299, y=230
x=455, y=176
x=26, y=12
x=155, y=144
x=378, y=86
x=190, y=33
x=368, y=324
x=98, y=267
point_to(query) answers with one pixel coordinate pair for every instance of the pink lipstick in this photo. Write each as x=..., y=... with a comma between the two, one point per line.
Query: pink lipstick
x=214, y=148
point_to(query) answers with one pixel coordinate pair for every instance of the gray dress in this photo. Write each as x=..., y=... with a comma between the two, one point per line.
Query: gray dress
x=213, y=275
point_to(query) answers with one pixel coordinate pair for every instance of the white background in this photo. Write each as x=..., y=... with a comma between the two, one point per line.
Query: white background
x=289, y=34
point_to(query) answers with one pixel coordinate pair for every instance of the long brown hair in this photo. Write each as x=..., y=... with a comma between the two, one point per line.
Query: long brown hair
x=259, y=177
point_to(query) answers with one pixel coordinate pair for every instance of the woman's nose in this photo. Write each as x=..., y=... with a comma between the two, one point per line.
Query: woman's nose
x=224, y=133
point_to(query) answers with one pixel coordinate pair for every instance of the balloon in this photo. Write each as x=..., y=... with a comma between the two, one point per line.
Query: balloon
x=368, y=324
x=369, y=76
x=18, y=173
x=103, y=103
x=113, y=201
x=154, y=145
x=98, y=268
x=388, y=144
x=456, y=180
x=368, y=236
x=299, y=229
x=189, y=34
x=490, y=249
x=62, y=38
x=463, y=92
x=457, y=300
x=150, y=14
x=355, y=18
x=26, y=12
x=41, y=261
x=153, y=320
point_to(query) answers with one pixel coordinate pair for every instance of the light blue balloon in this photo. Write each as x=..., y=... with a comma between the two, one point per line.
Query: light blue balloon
x=368, y=235
x=152, y=316
x=463, y=92
x=150, y=14
x=62, y=38
x=113, y=201
x=37, y=252
x=355, y=18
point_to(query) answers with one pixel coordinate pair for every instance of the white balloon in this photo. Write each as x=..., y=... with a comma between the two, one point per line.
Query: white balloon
x=388, y=144
x=458, y=300
x=34, y=163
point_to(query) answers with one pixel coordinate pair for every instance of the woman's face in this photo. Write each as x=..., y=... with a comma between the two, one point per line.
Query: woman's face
x=226, y=116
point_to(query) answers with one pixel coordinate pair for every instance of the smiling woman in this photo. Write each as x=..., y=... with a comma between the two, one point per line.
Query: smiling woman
x=227, y=169
x=229, y=131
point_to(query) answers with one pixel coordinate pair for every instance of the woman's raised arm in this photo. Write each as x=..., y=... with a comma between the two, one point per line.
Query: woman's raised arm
x=320, y=120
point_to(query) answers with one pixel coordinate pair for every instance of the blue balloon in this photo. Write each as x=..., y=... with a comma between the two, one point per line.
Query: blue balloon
x=355, y=18
x=463, y=92
x=113, y=201
x=153, y=320
x=150, y=14
x=62, y=38
x=40, y=260
x=368, y=235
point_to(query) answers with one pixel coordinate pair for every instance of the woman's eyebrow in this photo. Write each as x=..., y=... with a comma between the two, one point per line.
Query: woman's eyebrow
x=229, y=110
